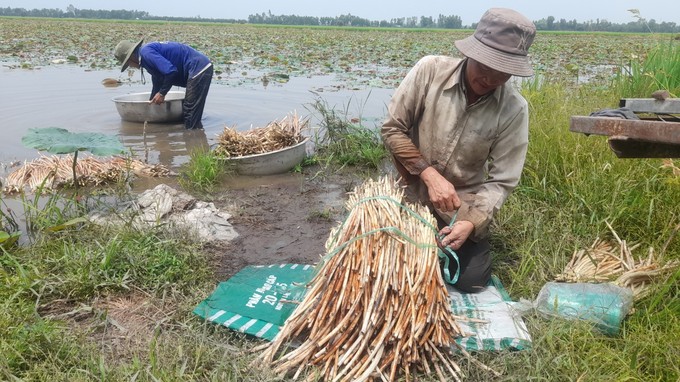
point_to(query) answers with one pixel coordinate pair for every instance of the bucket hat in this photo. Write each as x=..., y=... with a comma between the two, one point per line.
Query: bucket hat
x=501, y=41
x=124, y=50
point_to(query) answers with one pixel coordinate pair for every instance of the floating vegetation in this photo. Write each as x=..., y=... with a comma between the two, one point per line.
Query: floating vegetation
x=360, y=57
x=111, y=82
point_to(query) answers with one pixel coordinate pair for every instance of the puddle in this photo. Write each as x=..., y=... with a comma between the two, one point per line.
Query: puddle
x=77, y=100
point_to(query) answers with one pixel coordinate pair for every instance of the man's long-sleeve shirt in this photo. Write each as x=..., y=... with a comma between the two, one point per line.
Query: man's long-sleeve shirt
x=479, y=148
x=171, y=64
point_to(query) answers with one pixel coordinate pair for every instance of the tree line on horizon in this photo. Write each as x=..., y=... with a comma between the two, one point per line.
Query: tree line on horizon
x=639, y=25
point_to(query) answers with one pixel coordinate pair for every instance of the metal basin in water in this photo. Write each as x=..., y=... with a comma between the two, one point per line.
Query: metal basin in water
x=135, y=107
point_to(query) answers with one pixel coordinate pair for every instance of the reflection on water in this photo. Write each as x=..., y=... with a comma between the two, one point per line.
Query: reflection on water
x=169, y=144
x=81, y=101
x=76, y=99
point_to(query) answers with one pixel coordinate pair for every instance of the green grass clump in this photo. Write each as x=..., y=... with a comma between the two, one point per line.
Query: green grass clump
x=573, y=184
x=63, y=274
x=29, y=343
x=203, y=171
x=343, y=143
x=77, y=265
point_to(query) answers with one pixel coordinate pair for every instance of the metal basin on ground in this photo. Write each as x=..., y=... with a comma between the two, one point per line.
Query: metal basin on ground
x=273, y=162
x=135, y=107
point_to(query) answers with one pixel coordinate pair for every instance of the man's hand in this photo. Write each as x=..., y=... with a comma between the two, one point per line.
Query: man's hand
x=442, y=193
x=456, y=235
x=158, y=99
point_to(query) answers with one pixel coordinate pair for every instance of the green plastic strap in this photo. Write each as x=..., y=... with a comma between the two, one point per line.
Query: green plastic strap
x=446, y=258
x=447, y=274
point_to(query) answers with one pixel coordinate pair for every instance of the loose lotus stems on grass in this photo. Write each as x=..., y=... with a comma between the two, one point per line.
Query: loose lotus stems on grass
x=275, y=136
x=614, y=262
x=52, y=172
x=378, y=308
x=669, y=164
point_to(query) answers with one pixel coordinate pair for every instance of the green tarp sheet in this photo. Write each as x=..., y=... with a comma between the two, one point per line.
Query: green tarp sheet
x=257, y=301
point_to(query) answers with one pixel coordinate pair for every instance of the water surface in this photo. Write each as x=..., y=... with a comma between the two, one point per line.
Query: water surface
x=74, y=98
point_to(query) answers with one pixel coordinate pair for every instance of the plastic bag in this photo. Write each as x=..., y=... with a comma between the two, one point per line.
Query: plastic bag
x=605, y=305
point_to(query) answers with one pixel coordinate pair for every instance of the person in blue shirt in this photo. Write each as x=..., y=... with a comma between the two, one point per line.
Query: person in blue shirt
x=171, y=64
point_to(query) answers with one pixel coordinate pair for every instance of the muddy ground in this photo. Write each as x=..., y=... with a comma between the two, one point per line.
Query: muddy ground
x=282, y=219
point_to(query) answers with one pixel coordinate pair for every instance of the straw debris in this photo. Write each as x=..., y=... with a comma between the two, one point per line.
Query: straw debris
x=614, y=262
x=275, y=136
x=53, y=172
x=378, y=308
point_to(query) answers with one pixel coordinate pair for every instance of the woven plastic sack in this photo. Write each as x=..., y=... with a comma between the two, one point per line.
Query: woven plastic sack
x=495, y=325
x=257, y=301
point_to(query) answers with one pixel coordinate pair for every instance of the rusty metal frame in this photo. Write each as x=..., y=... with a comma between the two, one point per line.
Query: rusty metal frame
x=631, y=138
x=644, y=130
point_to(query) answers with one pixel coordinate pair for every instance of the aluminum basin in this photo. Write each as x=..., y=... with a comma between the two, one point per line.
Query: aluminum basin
x=135, y=107
x=273, y=162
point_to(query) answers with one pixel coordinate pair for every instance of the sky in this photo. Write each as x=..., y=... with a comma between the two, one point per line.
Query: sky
x=615, y=11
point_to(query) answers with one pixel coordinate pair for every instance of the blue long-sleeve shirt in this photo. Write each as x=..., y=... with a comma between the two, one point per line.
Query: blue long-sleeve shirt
x=171, y=64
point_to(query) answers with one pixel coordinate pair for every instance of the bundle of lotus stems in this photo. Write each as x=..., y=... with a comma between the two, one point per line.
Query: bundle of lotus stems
x=614, y=262
x=378, y=308
x=51, y=172
x=275, y=136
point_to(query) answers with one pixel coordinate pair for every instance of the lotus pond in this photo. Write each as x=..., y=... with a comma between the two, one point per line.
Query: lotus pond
x=53, y=70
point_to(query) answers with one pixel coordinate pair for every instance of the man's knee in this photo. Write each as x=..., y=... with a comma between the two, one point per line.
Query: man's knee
x=470, y=283
x=475, y=266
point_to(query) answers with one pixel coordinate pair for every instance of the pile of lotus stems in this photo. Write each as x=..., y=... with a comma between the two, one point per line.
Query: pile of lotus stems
x=275, y=136
x=668, y=163
x=378, y=308
x=51, y=172
x=614, y=262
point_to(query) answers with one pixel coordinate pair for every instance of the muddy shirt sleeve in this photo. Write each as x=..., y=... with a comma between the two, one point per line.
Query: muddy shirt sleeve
x=404, y=111
x=505, y=164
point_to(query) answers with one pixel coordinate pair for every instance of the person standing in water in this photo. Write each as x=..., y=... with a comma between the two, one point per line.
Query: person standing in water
x=171, y=64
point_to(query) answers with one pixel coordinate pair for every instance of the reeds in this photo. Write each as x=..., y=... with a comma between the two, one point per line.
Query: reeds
x=52, y=172
x=275, y=136
x=658, y=69
x=614, y=262
x=378, y=307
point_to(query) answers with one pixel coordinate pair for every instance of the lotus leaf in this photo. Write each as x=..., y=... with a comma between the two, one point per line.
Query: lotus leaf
x=8, y=239
x=61, y=141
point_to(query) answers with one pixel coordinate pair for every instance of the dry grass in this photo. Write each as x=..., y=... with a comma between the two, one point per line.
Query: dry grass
x=275, y=136
x=53, y=172
x=614, y=262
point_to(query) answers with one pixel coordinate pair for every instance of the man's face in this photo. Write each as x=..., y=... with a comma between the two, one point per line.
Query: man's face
x=133, y=61
x=482, y=79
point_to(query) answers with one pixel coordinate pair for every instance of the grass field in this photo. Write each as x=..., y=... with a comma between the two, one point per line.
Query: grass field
x=56, y=291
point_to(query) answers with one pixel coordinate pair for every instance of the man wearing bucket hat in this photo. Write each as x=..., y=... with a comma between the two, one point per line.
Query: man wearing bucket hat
x=171, y=64
x=458, y=134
